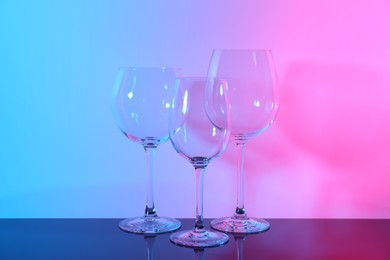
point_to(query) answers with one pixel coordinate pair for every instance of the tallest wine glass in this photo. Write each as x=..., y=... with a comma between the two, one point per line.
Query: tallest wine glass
x=140, y=105
x=252, y=85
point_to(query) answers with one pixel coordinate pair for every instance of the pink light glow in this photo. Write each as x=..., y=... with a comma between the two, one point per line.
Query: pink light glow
x=328, y=153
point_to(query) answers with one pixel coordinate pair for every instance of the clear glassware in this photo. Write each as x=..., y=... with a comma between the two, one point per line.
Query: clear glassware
x=254, y=98
x=199, y=128
x=140, y=104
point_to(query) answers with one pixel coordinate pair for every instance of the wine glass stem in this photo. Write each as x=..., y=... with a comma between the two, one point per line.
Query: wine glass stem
x=199, y=225
x=240, y=211
x=150, y=210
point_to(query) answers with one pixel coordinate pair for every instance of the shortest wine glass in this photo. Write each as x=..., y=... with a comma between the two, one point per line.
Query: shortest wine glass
x=199, y=129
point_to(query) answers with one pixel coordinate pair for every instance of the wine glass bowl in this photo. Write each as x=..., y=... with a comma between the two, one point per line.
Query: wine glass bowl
x=199, y=129
x=254, y=98
x=253, y=94
x=140, y=104
x=195, y=125
x=141, y=101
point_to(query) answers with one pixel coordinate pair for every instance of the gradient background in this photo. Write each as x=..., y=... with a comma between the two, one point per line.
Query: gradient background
x=61, y=155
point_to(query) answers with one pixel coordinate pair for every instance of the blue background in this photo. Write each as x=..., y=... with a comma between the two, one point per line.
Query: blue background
x=61, y=153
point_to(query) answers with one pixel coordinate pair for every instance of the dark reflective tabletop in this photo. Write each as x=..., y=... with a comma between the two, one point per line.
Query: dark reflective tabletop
x=102, y=239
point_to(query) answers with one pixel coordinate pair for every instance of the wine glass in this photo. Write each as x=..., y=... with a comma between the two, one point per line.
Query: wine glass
x=199, y=128
x=140, y=104
x=254, y=97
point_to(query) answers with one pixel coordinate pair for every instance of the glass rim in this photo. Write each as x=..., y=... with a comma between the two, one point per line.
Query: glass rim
x=243, y=50
x=199, y=78
x=148, y=68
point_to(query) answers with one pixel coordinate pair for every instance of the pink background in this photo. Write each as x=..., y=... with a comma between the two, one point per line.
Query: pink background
x=327, y=155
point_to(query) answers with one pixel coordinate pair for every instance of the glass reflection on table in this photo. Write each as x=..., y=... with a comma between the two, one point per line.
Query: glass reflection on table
x=102, y=239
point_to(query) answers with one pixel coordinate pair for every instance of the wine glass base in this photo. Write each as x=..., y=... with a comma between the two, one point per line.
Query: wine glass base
x=149, y=225
x=207, y=238
x=240, y=225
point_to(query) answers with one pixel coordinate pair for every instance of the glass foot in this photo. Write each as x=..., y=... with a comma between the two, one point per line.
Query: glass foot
x=149, y=225
x=240, y=225
x=206, y=238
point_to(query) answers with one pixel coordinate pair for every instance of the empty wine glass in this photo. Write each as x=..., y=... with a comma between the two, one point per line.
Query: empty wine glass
x=199, y=128
x=254, y=97
x=140, y=104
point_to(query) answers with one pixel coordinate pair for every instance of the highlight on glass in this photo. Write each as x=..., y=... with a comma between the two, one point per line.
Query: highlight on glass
x=199, y=129
x=140, y=105
x=254, y=98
